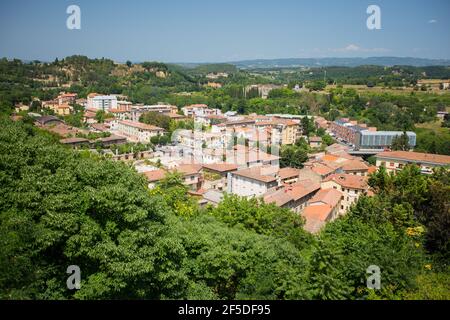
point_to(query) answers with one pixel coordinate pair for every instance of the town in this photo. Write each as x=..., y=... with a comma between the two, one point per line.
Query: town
x=246, y=152
x=229, y=152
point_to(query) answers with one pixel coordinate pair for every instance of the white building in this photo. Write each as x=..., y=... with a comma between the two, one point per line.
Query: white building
x=99, y=102
x=136, y=131
x=252, y=182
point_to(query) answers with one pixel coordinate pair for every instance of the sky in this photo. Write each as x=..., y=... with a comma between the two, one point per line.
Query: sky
x=222, y=31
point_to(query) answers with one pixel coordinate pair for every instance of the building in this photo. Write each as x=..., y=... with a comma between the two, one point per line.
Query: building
x=287, y=130
x=315, y=142
x=322, y=208
x=66, y=98
x=191, y=174
x=216, y=175
x=48, y=121
x=136, y=131
x=252, y=182
x=355, y=167
x=137, y=110
x=359, y=136
x=195, y=110
x=381, y=139
x=293, y=196
x=101, y=102
x=351, y=187
x=396, y=160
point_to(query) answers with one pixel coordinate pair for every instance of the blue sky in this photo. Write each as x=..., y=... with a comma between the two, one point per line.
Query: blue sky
x=216, y=31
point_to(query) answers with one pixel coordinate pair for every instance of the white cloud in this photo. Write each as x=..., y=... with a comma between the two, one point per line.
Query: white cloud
x=432, y=21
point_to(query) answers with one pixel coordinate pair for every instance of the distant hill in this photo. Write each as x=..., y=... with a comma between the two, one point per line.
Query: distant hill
x=346, y=62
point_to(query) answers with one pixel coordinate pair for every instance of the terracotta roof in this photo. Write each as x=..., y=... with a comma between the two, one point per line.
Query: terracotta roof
x=221, y=167
x=288, y=172
x=319, y=212
x=140, y=125
x=315, y=217
x=330, y=157
x=415, y=157
x=291, y=192
x=348, y=181
x=328, y=196
x=354, y=165
x=322, y=169
x=73, y=140
x=315, y=139
x=155, y=175
x=188, y=169
x=372, y=169
x=302, y=188
x=255, y=174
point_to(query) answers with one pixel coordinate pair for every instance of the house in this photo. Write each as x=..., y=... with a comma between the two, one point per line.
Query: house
x=112, y=139
x=191, y=174
x=356, y=167
x=252, y=181
x=75, y=142
x=396, y=160
x=351, y=186
x=195, y=110
x=66, y=98
x=63, y=110
x=321, y=208
x=136, y=131
x=216, y=175
x=315, y=142
x=293, y=196
x=89, y=116
x=289, y=175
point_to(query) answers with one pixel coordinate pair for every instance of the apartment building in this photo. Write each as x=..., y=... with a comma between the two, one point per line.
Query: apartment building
x=396, y=160
x=252, y=182
x=351, y=187
x=136, y=131
x=359, y=136
x=101, y=102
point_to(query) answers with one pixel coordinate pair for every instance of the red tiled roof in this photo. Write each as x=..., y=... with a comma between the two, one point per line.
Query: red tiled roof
x=328, y=196
x=354, y=165
x=140, y=125
x=415, y=157
x=255, y=174
x=288, y=172
x=349, y=181
x=221, y=167
x=155, y=175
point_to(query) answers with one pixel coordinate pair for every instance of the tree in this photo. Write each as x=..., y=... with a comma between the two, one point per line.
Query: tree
x=156, y=119
x=401, y=142
x=262, y=218
x=292, y=156
x=129, y=63
x=326, y=282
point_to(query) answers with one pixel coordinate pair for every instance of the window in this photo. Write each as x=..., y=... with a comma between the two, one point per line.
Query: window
x=342, y=207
